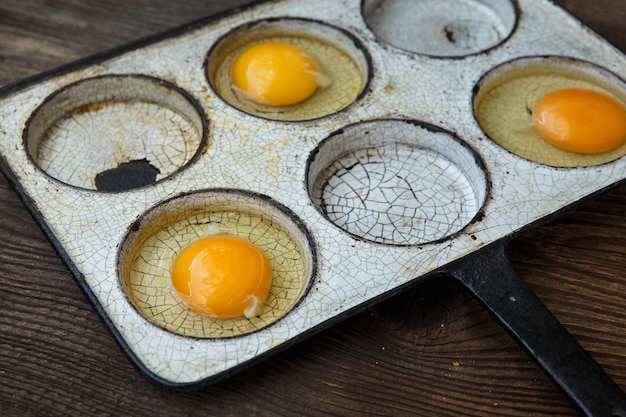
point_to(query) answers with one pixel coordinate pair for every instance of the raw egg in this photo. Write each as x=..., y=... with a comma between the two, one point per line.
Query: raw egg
x=222, y=276
x=276, y=74
x=579, y=120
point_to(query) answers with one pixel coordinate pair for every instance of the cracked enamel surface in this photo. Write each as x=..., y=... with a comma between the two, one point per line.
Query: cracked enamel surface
x=396, y=182
x=268, y=159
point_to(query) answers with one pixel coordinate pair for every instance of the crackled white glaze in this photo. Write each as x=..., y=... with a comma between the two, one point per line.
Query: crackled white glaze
x=269, y=158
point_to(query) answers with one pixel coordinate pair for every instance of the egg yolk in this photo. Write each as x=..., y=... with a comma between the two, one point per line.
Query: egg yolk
x=276, y=74
x=222, y=276
x=582, y=121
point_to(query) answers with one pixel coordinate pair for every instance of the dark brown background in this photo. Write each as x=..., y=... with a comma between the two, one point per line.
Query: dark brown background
x=430, y=351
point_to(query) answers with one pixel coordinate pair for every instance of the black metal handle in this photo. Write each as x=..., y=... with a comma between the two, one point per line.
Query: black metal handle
x=489, y=275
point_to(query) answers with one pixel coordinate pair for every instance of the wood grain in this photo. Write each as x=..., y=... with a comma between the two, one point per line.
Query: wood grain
x=431, y=350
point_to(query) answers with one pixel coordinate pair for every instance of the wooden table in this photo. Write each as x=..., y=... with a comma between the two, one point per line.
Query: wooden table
x=432, y=350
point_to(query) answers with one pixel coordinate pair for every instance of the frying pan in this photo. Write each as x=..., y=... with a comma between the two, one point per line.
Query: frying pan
x=471, y=251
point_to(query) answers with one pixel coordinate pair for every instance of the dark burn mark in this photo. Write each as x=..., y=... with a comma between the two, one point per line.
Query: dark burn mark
x=135, y=226
x=127, y=175
x=529, y=110
x=450, y=35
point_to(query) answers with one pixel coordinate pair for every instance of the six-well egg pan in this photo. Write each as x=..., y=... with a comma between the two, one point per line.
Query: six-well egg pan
x=417, y=158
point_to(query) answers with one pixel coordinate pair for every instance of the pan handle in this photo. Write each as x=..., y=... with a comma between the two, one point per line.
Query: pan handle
x=489, y=275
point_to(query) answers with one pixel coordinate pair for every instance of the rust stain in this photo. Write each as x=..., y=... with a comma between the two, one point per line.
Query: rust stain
x=87, y=108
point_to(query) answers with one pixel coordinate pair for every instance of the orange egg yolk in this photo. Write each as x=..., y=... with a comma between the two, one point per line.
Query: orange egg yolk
x=276, y=74
x=222, y=277
x=582, y=121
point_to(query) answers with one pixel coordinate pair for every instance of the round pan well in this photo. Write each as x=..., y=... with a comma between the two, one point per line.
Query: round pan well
x=151, y=245
x=397, y=182
x=115, y=133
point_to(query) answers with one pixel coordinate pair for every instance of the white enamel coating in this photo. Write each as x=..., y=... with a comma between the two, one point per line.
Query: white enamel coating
x=270, y=158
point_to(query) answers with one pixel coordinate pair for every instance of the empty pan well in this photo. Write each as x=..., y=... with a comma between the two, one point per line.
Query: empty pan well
x=442, y=28
x=397, y=182
x=115, y=133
